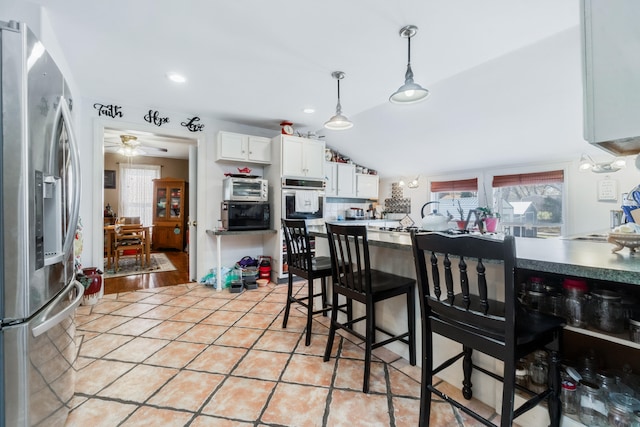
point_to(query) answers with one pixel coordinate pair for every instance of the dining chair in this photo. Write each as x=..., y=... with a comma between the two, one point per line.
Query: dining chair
x=303, y=264
x=354, y=278
x=129, y=238
x=454, y=305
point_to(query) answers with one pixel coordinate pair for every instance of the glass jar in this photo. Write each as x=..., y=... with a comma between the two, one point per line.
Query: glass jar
x=592, y=410
x=554, y=303
x=569, y=397
x=589, y=364
x=522, y=373
x=575, y=301
x=621, y=407
x=539, y=368
x=607, y=382
x=634, y=330
x=535, y=301
x=606, y=311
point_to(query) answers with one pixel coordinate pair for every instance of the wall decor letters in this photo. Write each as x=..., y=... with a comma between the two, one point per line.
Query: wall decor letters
x=192, y=125
x=110, y=110
x=154, y=118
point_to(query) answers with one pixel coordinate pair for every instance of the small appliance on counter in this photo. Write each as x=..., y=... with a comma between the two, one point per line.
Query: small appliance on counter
x=245, y=189
x=354, y=213
x=237, y=216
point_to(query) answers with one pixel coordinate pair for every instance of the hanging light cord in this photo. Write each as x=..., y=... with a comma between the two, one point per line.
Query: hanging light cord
x=408, y=51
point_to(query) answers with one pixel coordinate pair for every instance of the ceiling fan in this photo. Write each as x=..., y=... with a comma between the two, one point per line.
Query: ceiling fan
x=130, y=146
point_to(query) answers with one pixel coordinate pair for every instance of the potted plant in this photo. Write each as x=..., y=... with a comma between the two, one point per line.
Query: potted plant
x=487, y=219
x=462, y=223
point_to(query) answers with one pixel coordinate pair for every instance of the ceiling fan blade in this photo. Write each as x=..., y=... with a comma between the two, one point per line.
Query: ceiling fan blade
x=147, y=147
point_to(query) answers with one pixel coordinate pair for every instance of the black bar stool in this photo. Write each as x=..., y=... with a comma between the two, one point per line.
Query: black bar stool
x=354, y=278
x=500, y=329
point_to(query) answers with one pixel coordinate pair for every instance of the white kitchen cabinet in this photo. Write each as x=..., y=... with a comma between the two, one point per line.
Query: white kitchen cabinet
x=301, y=157
x=367, y=186
x=243, y=148
x=611, y=67
x=341, y=179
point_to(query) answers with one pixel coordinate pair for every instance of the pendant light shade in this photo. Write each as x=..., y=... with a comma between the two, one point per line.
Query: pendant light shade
x=410, y=92
x=338, y=122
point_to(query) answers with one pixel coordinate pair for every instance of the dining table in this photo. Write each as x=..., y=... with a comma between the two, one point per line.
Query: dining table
x=110, y=231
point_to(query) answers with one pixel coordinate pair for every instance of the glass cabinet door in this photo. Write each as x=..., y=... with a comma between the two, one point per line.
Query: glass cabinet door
x=161, y=202
x=176, y=195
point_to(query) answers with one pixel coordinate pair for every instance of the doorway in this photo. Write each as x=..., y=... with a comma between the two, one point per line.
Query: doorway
x=175, y=153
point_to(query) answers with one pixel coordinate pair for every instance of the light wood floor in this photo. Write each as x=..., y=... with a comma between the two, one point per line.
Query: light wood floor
x=152, y=280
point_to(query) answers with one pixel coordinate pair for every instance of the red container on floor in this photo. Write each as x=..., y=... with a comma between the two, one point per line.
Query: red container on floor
x=265, y=267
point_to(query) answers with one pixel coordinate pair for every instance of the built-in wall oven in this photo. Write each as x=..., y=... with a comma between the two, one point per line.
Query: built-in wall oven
x=303, y=199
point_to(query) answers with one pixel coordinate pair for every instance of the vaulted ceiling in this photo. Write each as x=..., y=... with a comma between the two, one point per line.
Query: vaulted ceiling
x=504, y=74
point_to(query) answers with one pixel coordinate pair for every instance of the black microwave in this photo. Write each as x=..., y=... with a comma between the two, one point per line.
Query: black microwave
x=238, y=216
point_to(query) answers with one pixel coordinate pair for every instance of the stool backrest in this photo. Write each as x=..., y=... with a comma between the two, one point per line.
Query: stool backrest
x=299, y=255
x=459, y=299
x=350, y=263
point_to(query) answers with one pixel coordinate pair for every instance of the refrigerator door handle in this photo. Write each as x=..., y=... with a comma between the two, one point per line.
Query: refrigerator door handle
x=50, y=322
x=64, y=113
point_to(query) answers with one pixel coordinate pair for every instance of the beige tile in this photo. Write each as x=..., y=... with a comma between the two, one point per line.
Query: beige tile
x=157, y=298
x=135, y=326
x=105, y=323
x=296, y=405
x=233, y=399
x=256, y=320
x=95, y=376
x=138, y=384
x=318, y=346
x=99, y=413
x=188, y=390
x=368, y=409
x=473, y=404
x=148, y=416
x=132, y=296
x=253, y=295
x=168, y=330
x=162, y=312
x=217, y=359
x=266, y=307
x=278, y=341
x=402, y=384
x=137, y=350
x=309, y=370
x=350, y=375
x=223, y=318
x=183, y=301
x=294, y=323
x=134, y=309
x=107, y=307
x=103, y=344
x=175, y=290
x=265, y=365
x=239, y=337
x=240, y=305
x=81, y=320
x=176, y=354
x=406, y=412
x=210, y=303
x=191, y=315
x=205, y=334
x=207, y=421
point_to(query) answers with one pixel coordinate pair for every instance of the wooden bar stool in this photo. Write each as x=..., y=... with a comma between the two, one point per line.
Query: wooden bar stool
x=354, y=278
x=454, y=307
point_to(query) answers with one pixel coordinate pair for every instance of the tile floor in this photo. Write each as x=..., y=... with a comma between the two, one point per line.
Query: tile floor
x=187, y=355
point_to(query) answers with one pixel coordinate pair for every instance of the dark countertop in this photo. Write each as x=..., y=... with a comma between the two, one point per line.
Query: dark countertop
x=588, y=259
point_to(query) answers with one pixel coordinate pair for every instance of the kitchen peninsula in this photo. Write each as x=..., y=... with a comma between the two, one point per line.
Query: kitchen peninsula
x=552, y=259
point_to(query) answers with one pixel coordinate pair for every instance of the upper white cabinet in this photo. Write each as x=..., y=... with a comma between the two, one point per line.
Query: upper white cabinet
x=301, y=157
x=341, y=179
x=243, y=148
x=611, y=37
x=367, y=186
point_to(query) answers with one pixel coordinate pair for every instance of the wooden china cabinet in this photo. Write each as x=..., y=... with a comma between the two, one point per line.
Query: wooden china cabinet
x=170, y=213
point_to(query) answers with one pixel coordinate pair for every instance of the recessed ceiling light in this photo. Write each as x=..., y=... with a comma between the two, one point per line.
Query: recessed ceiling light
x=309, y=110
x=177, y=78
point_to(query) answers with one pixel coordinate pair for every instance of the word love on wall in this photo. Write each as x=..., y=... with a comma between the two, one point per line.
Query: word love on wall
x=153, y=117
x=192, y=124
x=110, y=110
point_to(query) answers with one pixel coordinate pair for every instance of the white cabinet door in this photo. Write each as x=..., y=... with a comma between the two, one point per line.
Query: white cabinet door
x=611, y=70
x=346, y=180
x=331, y=175
x=243, y=148
x=232, y=146
x=367, y=186
x=259, y=149
x=302, y=157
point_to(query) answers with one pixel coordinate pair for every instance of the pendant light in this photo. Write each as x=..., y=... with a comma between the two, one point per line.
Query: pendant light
x=409, y=92
x=338, y=122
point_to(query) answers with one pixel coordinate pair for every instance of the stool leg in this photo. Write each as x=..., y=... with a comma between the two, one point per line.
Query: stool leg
x=370, y=338
x=324, y=296
x=466, y=368
x=427, y=375
x=508, y=392
x=555, y=405
x=307, y=340
x=289, y=298
x=332, y=328
x=411, y=313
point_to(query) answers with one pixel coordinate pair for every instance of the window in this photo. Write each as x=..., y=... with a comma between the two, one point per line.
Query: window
x=455, y=197
x=531, y=204
x=136, y=191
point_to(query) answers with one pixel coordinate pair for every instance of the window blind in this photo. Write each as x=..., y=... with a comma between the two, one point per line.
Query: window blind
x=528, y=179
x=458, y=185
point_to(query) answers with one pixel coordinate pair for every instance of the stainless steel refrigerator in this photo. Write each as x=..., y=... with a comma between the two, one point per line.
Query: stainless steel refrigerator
x=40, y=185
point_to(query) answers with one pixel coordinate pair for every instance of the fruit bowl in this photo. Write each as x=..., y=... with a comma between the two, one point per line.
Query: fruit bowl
x=624, y=240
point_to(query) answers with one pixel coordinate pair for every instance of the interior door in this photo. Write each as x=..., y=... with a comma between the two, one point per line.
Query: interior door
x=193, y=209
